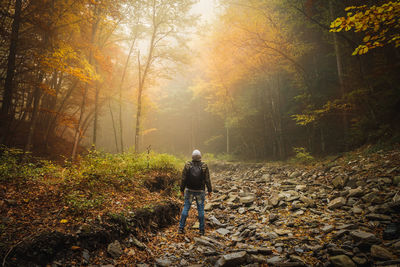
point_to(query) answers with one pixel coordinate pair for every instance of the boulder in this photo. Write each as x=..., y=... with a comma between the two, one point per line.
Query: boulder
x=202, y=242
x=378, y=217
x=365, y=237
x=232, y=259
x=396, y=180
x=163, y=262
x=337, y=203
x=381, y=253
x=307, y=201
x=114, y=249
x=274, y=260
x=356, y=192
x=247, y=199
x=342, y=261
x=338, y=182
x=274, y=200
x=223, y=231
x=301, y=187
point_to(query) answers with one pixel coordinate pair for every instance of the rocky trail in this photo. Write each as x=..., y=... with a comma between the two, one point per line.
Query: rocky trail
x=345, y=213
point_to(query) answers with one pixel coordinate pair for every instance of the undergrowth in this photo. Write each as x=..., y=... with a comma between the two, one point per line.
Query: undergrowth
x=95, y=178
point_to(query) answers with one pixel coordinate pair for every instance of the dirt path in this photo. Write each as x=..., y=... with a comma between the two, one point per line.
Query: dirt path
x=281, y=216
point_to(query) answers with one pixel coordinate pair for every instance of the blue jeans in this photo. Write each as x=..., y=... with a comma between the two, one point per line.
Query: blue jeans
x=199, y=197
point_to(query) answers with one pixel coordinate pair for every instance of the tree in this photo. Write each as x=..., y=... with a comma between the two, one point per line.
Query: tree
x=8, y=85
x=167, y=20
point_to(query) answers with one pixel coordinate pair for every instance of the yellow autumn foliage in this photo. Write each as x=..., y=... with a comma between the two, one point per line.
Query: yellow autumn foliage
x=380, y=24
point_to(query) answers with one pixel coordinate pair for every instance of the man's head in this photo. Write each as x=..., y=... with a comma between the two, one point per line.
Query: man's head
x=196, y=155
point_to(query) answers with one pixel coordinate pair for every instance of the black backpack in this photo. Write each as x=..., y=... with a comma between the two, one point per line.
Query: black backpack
x=195, y=177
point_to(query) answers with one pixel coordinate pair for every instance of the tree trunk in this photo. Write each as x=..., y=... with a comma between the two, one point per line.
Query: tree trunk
x=96, y=112
x=138, y=117
x=82, y=108
x=52, y=107
x=114, y=128
x=322, y=140
x=36, y=101
x=143, y=77
x=8, y=85
x=78, y=126
x=340, y=76
x=227, y=141
x=53, y=121
x=120, y=92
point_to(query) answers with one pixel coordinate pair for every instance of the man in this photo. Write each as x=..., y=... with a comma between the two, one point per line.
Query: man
x=195, y=176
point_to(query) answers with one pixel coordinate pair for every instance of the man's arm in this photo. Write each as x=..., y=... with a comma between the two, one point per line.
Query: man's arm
x=183, y=181
x=208, y=180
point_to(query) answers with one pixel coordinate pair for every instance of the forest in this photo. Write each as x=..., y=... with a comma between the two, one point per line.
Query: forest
x=256, y=81
x=103, y=101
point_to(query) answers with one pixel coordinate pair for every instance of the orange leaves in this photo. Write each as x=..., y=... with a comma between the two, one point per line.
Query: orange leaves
x=67, y=59
x=378, y=23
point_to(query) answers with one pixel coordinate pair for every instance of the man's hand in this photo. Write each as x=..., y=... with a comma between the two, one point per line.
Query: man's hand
x=209, y=194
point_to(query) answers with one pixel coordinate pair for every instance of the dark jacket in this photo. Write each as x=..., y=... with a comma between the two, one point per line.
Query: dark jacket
x=205, y=176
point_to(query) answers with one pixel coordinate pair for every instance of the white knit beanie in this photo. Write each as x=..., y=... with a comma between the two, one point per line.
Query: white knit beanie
x=196, y=154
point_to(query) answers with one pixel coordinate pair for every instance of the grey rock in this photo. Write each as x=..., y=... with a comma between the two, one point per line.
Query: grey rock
x=307, y=201
x=232, y=259
x=356, y=210
x=215, y=221
x=340, y=233
x=378, y=217
x=364, y=237
x=274, y=199
x=301, y=187
x=369, y=197
x=163, y=262
x=338, y=182
x=356, y=192
x=203, y=242
x=247, y=199
x=337, y=203
x=223, y=231
x=258, y=258
x=274, y=260
x=342, y=261
x=114, y=249
x=86, y=255
x=133, y=240
x=381, y=253
x=360, y=260
x=327, y=228
x=396, y=180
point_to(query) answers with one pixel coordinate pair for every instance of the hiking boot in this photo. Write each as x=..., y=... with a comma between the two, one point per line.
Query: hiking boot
x=201, y=232
x=181, y=231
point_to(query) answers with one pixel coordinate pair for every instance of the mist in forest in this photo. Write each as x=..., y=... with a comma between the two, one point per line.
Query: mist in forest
x=254, y=80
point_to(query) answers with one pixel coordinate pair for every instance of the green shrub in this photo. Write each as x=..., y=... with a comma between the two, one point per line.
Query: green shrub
x=79, y=203
x=210, y=157
x=302, y=156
